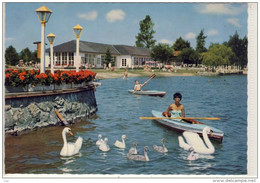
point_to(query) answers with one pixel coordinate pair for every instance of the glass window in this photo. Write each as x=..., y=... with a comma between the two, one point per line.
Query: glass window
x=123, y=62
x=71, y=58
x=64, y=58
x=102, y=59
x=98, y=61
x=57, y=58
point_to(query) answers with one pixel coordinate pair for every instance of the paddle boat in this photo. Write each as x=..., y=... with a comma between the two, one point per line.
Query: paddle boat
x=188, y=125
x=96, y=83
x=148, y=92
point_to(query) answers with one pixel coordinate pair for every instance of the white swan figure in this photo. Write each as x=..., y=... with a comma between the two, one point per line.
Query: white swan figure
x=103, y=146
x=133, y=149
x=196, y=142
x=193, y=156
x=161, y=149
x=139, y=157
x=182, y=144
x=100, y=140
x=68, y=148
x=119, y=144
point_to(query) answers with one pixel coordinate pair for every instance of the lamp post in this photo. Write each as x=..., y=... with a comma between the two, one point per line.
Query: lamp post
x=43, y=14
x=77, y=30
x=51, y=38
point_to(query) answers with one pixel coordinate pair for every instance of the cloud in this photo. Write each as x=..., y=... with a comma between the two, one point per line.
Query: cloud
x=115, y=15
x=165, y=41
x=89, y=16
x=226, y=9
x=212, y=32
x=190, y=35
x=9, y=39
x=234, y=21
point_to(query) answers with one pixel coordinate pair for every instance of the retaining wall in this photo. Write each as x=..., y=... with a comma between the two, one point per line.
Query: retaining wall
x=30, y=110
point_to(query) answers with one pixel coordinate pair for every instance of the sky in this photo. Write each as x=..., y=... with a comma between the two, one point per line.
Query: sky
x=118, y=23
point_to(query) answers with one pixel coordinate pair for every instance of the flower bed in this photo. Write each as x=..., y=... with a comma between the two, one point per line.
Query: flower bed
x=23, y=78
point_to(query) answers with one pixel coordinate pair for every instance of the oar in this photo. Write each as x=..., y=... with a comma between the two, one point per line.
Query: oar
x=61, y=118
x=205, y=118
x=149, y=79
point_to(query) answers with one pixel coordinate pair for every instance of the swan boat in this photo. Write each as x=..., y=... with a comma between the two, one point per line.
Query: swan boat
x=148, y=92
x=181, y=126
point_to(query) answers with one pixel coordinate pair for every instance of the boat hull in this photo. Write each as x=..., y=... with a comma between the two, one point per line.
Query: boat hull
x=148, y=92
x=184, y=126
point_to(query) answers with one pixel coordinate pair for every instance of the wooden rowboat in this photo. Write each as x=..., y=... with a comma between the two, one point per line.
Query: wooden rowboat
x=190, y=125
x=148, y=92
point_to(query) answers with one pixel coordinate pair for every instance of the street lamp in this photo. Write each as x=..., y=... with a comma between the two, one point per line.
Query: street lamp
x=51, y=38
x=77, y=30
x=43, y=14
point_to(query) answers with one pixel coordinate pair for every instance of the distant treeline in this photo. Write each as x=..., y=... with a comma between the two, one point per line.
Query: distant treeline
x=12, y=57
x=232, y=52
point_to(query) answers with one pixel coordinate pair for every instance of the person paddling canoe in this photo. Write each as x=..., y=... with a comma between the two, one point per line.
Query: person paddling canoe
x=176, y=109
x=137, y=86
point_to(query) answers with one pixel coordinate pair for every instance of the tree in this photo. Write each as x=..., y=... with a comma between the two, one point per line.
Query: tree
x=162, y=52
x=26, y=55
x=108, y=57
x=200, y=47
x=188, y=56
x=217, y=55
x=180, y=44
x=11, y=56
x=144, y=39
x=239, y=47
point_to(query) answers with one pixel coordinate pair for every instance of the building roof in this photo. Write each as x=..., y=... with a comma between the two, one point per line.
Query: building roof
x=91, y=47
x=132, y=50
x=176, y=53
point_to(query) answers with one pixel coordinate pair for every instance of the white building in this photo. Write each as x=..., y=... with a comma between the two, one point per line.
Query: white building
x=94, y=54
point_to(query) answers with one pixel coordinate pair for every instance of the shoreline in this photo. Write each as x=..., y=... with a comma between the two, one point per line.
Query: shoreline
x=111, y=75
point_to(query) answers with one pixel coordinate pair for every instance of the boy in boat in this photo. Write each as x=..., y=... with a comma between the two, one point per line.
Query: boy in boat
x=137, y=86
x=176, y=109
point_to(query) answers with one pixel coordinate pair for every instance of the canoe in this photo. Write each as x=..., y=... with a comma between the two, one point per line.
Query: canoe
x=148, y=92
x=97, y=83
x=181, y=126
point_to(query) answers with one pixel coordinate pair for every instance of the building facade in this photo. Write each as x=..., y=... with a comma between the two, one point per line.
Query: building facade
x=93, y=54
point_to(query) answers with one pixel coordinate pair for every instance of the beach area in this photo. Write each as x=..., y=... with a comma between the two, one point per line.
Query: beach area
x=107, y=74
x=110, y=75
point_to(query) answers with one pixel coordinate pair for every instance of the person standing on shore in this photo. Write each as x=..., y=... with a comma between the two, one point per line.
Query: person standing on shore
x=176, y=109
x=125, y=74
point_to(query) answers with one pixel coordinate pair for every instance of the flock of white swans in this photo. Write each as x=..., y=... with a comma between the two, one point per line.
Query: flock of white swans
x=193, y=143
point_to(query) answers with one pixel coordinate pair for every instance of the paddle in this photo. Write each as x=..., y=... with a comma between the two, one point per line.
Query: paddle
x=149, y=79
x=61, y=118
x=205, y=118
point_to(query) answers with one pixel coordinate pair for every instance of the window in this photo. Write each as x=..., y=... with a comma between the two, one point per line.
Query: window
x=64, y=58
x=123, y=62
x=98, y=61
x=57, y=60
x=135, y=60
x=102, y=59
x=91, y=58
x=71, y=58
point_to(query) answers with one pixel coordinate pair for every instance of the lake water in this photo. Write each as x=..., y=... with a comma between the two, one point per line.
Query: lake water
x=119, y=112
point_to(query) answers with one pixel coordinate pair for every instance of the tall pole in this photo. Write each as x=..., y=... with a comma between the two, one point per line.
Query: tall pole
x=77, y=56
x=52, y=62
x=43, y=49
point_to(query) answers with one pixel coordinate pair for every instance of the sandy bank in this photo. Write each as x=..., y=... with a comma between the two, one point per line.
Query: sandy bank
x=108, y=75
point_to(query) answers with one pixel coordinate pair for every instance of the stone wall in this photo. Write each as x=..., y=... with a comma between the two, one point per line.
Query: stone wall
x=35, y=111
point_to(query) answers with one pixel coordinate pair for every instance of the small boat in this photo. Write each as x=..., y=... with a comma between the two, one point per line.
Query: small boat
x=97, y=83
x=191, y=125
x=148, y=92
